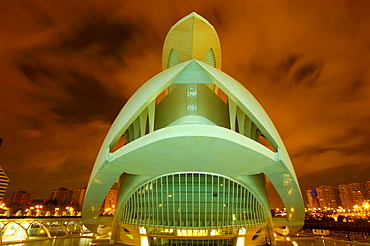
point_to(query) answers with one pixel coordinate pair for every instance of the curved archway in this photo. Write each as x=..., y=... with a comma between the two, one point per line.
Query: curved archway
x=57, y=228
x=12, y=231
x=37, y=229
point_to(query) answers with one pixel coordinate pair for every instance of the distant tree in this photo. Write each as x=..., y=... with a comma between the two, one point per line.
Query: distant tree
x=340, y=218
x=15, y=206
x=37, y=202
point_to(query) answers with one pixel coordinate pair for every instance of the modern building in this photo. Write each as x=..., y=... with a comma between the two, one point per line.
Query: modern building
x=4, y=180
x=328, y=196
x=63, y=196
x=80, y=196
x=21, y=197
x=353, y=194
x=313, y=200
x=359, y=193
x=192, y=150
x=345, y=196
x=109, y=204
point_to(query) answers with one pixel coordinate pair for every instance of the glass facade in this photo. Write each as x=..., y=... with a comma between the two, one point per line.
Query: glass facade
x=192, y=201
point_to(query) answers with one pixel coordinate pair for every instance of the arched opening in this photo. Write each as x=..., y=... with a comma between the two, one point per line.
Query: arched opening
x=37, y=230
x=13, y=231
x=57, y=228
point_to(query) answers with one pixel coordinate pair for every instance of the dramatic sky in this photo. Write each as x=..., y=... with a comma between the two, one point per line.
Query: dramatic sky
x=67, y=68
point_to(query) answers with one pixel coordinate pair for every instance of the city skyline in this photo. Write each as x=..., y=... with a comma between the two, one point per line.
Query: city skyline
x=305, y=62
x=76, y=194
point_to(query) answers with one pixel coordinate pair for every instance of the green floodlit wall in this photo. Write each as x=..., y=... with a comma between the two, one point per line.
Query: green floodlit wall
x=193, y=201
x=191, y=99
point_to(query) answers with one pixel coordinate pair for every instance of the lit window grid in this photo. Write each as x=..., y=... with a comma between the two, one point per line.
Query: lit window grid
x=193, y=200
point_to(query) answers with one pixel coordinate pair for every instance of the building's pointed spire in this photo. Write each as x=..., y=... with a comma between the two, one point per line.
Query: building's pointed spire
x=192, y=37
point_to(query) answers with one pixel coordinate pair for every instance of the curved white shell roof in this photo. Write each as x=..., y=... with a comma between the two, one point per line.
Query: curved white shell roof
x=151, y=155
x=191, y=37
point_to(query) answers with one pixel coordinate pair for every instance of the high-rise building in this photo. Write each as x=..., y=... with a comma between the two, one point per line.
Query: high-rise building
x=188, y=154
x=109, y=204
x=21, y=197
x=312, y=198
x=80, y=196
x=62, y=195
x=4, y=180
x=353, y=194
x=345, y=194
x=359, y=193
x=328, y=196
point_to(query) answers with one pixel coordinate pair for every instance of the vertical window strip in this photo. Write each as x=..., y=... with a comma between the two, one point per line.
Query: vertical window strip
x=223, y=201
x=154, y=217
x=192, y=201
x=167, y=204
x=233, y=214
x=228, y=205
x=138, y=208
x=247, y=207
x=212, y=202
x=186, y=201
x=134, y=206
x=237, y=205
x=157, y=203
x=199, y=200
x=174, y=199
x=205, y=200
x=142, y=208
x=219, y=203
x=161, y=204
x=132, y=217
x=180, y=200
x=143, y=204
x=254, y=212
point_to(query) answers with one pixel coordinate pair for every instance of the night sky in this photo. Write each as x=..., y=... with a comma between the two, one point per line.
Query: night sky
x=67, y=68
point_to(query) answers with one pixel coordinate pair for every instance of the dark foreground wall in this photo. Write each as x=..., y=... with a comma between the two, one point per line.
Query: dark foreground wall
x=339, y=227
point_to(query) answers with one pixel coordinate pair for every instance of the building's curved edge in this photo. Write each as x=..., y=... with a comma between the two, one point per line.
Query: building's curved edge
x=191, y=37
x=148, y=93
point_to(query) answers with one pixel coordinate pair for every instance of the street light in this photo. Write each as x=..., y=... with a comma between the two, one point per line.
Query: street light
x=366, y=206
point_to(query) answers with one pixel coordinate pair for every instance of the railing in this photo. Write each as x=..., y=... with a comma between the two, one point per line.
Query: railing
x=33, y=228
x=339, y=227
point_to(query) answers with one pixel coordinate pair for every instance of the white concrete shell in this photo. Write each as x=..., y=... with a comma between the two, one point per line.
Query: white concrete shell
x=193, y=143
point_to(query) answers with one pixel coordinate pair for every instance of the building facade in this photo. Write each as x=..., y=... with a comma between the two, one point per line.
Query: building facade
x=328, y=196
x=80, y=196
x=21, y=197
x=192, y=150
x=313, y=200
x=345, y=196
x=4, y=182
x=109, y=204
x=63, y=196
